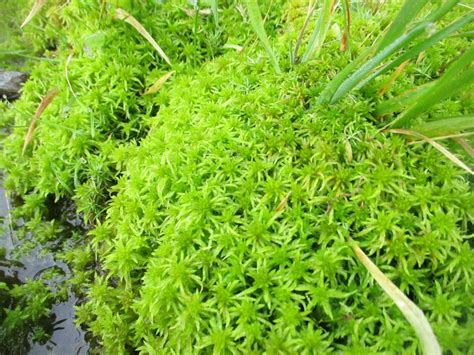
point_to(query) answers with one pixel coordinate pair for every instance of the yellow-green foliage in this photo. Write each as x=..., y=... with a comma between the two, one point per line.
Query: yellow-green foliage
x=195, y=251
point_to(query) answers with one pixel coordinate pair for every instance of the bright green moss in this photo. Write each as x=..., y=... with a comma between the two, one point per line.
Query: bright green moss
x=215, y=267
x=193, y=253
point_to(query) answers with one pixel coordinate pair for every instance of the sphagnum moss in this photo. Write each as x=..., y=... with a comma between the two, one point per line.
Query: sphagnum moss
x=216, y=267
x=194, y=253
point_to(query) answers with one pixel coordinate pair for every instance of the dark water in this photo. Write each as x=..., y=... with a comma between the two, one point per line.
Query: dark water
x=66, y=337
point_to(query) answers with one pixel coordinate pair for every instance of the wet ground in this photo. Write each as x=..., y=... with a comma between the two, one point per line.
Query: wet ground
x=66, y=337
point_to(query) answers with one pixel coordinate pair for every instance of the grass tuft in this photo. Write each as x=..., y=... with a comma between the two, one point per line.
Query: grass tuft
x=256, y=20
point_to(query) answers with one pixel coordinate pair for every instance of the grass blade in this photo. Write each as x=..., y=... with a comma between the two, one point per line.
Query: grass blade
x=407, y=13
x=66, y=72
x=442, y=10
x=281, y=206
x=121, y=14
x=465, y=145
x=345, y=81
x=445, y=126
x=215, y=11
x=420, y=47
x=353, y=80
x=303, y=29
x=346, y=37
x=458, y=76
x=410, y=310
x=335, y=83
x=393, y=78
x=256, y=21
x=398, y=103
x=44, y=103
x=436, y=145
x=320, y=32
x=158, y=84
x=34, y=10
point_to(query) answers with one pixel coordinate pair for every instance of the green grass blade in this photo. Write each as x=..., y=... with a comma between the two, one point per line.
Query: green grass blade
x=320, y=32
x=397, y=104
x=445, y=126
x=215, y=11
x=422, y=46
x=410, y=310
x=353, y=80
x=334, y=84
x=442, y=10
x=407, y=13
x=456, y=78
x=256, y=21
x=345, y=81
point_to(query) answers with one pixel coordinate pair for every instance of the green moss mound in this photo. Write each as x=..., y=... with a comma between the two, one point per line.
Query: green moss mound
x=222, y=206
x=209, y=259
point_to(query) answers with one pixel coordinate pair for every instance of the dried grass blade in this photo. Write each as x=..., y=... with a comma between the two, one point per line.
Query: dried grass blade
x=465, y=145
x=410, y=310
x=281, y=206
x=449, y=136
x=44, y=103
x=436, y=145
x=158, y=84
x=34, y=10
x=345, y=40
x=311, y=9
x=121, y=14
x=393, y=78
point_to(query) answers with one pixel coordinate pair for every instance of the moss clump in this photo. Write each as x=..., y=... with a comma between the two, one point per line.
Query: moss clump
x=204, y=260
x=222, y=206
